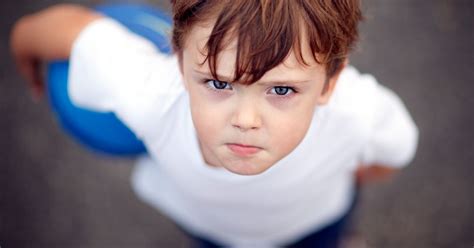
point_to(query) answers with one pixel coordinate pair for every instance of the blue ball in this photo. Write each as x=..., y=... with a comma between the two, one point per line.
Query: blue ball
x=104, y=132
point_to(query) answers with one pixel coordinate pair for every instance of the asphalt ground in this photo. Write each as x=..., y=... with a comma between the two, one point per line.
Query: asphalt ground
x=55, y=193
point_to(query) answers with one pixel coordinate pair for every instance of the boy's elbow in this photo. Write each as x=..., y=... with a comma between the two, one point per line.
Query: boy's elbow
x=49, y=34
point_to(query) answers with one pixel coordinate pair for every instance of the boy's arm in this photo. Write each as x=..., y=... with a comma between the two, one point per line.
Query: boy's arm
x=111, y=69
x=393, y=141
x=44, y=36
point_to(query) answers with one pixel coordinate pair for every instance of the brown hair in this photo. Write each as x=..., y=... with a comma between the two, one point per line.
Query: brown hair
x=268, y=30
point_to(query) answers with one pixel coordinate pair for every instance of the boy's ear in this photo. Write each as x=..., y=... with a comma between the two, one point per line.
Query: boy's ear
x=330, y=85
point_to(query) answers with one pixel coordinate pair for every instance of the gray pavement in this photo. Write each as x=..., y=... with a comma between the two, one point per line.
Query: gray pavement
x=54, y=193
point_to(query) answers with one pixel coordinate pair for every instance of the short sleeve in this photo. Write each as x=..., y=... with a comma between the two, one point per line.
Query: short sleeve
x=393, y=135
x=114, y=70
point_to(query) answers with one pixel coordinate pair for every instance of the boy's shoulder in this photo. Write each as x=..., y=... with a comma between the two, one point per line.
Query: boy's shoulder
x=354, y=95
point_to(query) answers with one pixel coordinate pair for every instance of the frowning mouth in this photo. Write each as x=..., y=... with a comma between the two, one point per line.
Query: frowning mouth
x=243, y=150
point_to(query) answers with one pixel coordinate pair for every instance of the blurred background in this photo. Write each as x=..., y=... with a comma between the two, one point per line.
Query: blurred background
x=55, y=193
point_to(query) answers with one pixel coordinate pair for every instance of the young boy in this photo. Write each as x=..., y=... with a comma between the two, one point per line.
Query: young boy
x=255, y=126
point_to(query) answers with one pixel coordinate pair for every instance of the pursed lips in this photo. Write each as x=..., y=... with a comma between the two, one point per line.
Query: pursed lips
x=243, y=150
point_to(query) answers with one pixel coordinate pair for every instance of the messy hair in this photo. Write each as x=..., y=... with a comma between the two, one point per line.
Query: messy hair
x=268, y=30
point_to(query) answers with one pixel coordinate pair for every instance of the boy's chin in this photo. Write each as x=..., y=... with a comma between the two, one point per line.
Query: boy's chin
x=246, y=168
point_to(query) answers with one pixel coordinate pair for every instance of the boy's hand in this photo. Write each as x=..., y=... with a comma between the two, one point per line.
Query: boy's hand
x=373, y=173
x=44, y=36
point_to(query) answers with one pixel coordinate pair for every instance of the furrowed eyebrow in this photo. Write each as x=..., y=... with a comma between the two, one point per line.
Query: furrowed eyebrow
x=229, y=79
x=209, y=75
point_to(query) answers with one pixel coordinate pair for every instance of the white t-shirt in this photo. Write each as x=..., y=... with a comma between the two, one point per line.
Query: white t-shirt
x=114, y=70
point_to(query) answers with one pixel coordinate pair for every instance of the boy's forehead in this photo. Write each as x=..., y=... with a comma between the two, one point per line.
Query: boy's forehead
x=195, y=51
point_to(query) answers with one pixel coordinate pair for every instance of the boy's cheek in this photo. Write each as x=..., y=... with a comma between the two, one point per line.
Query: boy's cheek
x=205, y=118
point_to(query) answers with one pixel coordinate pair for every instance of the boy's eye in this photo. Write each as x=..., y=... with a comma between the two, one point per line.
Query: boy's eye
x=220, y=85
x=282, y=90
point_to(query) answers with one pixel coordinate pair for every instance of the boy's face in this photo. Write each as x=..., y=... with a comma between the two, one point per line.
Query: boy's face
x=247, y=129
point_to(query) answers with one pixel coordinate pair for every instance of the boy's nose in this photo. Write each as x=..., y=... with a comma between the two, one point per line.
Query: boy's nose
x=246, y=117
